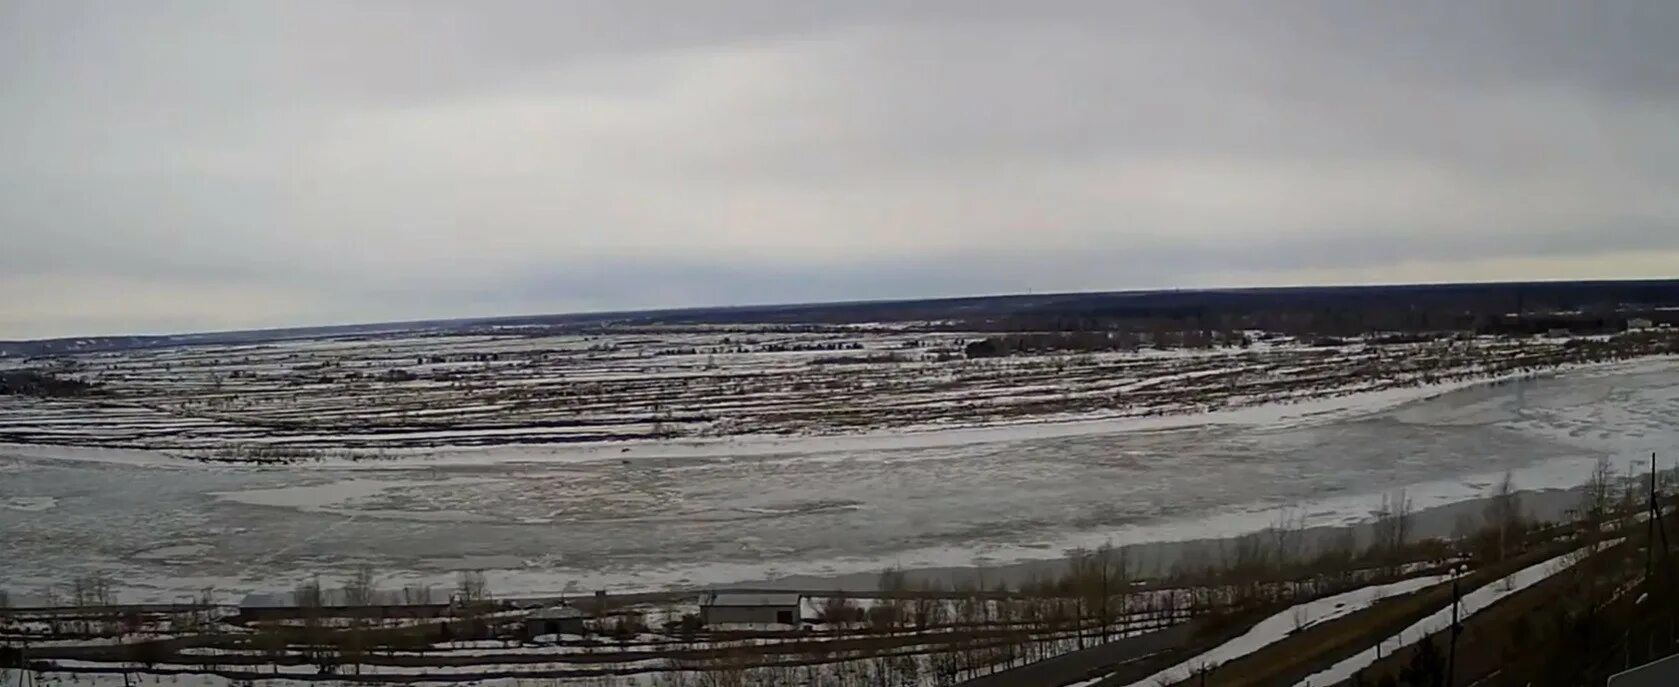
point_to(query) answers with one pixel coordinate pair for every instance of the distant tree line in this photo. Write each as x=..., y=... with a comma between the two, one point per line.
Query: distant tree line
x=1327, y=311
x=38, y=383
x=1332, y=320
x=1098, y=341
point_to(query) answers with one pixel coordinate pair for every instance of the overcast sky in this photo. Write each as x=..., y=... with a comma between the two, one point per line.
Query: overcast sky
x=169, y=166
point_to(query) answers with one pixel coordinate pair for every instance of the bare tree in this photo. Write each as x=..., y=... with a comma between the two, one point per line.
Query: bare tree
x=93, y=589
x=1286, y=536
x=206, y=608
x=1503, y=514
x=1596, y=500
x=270, y=639
x=1335, y=561
x=472, y=600
x=471, y=587
x=929, y=610
x=1074, y=584
x=90, y=591
x=892, y=609
x=1119, y=590
x=359, y=591
x=1106, y=584
x=946, y=667
x=1392, y=529
x=352, y=645
x=1248, y=566
x=417, y=595
x=308, y=595
x=837, y=610
x=310, y=600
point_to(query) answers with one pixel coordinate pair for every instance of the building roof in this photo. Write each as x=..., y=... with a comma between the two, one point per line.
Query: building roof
x=335, y=598
x=1657, y=674
x=736, y=599
x=555, y=613
x=18, y=601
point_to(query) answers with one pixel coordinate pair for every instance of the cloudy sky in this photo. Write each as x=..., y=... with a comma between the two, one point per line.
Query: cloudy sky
x=171, y=166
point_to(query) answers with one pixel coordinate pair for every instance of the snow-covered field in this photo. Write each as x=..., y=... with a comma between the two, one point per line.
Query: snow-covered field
x=562, y=517
x=387, y=396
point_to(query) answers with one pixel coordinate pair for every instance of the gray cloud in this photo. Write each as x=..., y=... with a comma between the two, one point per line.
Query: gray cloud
x=204, y=165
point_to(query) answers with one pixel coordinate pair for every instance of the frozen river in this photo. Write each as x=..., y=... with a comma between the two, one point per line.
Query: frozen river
x=538, y=522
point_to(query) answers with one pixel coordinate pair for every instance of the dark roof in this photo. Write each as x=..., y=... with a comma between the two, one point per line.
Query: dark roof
x=555, y=613
x=334, y=598
x=735, y=599
x=18, y=601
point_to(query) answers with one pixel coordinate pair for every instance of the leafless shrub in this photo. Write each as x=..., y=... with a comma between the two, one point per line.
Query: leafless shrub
x=1596, y=501
x=1392, y=529
x=892, y=609
x=837, y=610
x=1503, y=516
x=417, y=595
x=93, y=589
x=928, y=609
x=310, y=599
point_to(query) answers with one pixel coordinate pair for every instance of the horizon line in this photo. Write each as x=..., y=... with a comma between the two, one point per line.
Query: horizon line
x=300, y=328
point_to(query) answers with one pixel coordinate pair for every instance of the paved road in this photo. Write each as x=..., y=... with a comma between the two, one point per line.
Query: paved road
x=1088, y=663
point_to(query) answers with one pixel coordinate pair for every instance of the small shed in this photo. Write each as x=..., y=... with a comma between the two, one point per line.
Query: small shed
x=721, y=608
x=554, y=620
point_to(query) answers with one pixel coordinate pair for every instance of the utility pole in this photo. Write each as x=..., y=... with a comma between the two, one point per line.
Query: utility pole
x=1661, y=525
x=1451, y=652
x=1655, y=514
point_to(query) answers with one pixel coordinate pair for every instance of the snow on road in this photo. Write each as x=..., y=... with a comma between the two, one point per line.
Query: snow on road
x=1472, y=603
x=1279, y=626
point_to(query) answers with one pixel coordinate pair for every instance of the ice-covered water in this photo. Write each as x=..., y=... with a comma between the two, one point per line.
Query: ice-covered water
x=164, y=529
